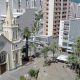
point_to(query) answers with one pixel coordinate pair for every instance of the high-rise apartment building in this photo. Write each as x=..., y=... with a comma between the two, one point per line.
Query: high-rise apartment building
x=68, y=33
x=53, y=12
x=33, y=4
x=73, y=9
x=78, y=11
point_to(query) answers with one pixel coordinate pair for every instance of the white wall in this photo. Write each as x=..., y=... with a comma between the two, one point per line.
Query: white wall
x=50, y=17
x=61, y=33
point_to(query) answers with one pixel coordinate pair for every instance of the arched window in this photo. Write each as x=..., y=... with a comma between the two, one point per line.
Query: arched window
x=3, y=56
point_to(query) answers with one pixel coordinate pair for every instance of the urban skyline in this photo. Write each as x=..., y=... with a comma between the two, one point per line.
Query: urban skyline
x=39, y=40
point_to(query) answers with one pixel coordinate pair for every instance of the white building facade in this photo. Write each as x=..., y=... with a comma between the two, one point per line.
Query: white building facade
x=68, y=33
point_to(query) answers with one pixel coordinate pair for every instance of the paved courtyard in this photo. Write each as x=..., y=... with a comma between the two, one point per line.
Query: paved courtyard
x=55, y=71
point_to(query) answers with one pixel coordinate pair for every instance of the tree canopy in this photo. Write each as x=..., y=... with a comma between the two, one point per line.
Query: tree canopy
x=26, y=32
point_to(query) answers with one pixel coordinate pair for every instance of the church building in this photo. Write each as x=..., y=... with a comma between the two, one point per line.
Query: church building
x=10, y=43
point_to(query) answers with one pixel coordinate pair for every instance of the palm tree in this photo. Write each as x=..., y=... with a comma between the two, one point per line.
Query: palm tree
x=53, y=47
x=26, y=35
x=45, y=51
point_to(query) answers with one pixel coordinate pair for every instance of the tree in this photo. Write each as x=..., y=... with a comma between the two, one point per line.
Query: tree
x=35, y=28
x=77, y=51
x=75, y=59
x=45, y=51
x=77, y=77
x=72, y=59
x=77, y=46
x=26, y=35
x=38, y=16
x=78, y=68
x=53, y=47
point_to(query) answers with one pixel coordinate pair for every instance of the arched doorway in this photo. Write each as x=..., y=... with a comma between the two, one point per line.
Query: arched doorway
x=3, y=55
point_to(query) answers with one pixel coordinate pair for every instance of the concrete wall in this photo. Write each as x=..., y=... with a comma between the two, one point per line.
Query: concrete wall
x=74, y=32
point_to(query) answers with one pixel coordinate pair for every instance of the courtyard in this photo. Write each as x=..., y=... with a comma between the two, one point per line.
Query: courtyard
x=56, y=71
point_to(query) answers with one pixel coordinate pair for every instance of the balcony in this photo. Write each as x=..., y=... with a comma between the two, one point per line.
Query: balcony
x=65, y=40
x=66, y=32
x=66, y=27
x=65, y=37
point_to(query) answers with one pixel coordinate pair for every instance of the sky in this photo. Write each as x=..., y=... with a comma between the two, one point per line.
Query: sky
x=78, y=1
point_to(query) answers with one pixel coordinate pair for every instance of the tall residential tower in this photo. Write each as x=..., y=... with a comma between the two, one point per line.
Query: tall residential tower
x=53, y=12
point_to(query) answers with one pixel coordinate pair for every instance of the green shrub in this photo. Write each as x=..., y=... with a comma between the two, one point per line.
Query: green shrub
x=33, y=73
x=22, y=78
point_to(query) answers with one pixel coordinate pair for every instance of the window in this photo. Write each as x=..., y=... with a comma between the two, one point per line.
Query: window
x=46, y=29
x=46, y=4
x=64, y=8
x=65, y=0
x=46, y=17
x=70, y=45
x=2, y=57
x=15, y=34
x=46, y=21
x=46, y=25
x=64, y=16
x=65, y=4
x=46, y=33
x=46, y=8
x=65, y=38
x=19, y=4
x=64, y=44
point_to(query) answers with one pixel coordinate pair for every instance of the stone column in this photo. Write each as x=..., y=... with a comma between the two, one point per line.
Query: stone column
x=7, y=61
x=19, y=57
x=12, y=63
